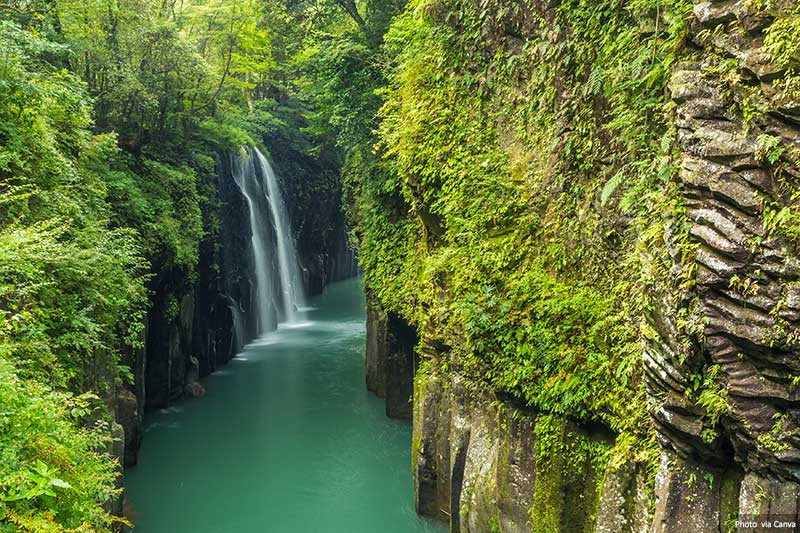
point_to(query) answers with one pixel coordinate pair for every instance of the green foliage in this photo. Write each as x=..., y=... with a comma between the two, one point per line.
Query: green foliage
x=68, y=282
x=775, y=439
x=162, y=202
x=782, y=42
x=519, y=191
x=708, y=393
x=52, y=479
x=71, y=295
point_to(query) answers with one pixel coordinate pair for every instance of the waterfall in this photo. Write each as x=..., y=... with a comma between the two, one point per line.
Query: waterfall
x=245, y=176
x=288, y=270
x=238, y=337
x=278, y=285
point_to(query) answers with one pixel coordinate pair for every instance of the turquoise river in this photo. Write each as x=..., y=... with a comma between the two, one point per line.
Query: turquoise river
x=287, y=440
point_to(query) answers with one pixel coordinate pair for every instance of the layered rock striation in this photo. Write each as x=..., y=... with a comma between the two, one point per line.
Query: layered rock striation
x=719, y=334
x=721, y=372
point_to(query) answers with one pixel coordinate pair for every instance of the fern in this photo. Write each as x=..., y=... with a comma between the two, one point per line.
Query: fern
x=611, y=187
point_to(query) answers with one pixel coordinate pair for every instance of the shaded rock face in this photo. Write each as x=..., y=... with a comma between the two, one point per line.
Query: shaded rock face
x=400, y=366
x=195, y=326
x=238, y=283
x=376, y=347
x=116, y=449
x=129, y=415
x=181, y=350
x=690, y=497
x=391, y=359
x=193, y=388
x=476, y=467
x=474, y=456
x=725, y=327
x=129, y=409
x=168, y=347
x=313, y=196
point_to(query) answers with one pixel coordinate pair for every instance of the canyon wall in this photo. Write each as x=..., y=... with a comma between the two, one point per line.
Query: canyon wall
x=482, y=463
x=738, y=137
x=391, y=359
x=667, y=196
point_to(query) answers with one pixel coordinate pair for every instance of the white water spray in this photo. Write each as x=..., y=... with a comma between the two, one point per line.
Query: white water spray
x=288, y=270
x=245, y=175
x=272, y=243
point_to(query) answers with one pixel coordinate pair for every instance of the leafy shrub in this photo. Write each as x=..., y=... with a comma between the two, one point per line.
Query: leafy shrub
x=52, y=478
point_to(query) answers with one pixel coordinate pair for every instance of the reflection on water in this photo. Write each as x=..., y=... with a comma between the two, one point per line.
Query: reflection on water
x=287, y=440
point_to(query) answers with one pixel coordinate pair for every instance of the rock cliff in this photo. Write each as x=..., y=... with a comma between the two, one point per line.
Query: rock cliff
x=738, y=287
x=717, y=333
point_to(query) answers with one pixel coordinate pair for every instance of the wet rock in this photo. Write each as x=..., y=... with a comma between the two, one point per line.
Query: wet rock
x=193, y=388
x=739, y=305
x=376, y=347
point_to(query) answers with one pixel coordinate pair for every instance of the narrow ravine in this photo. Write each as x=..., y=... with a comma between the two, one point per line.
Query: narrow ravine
x=287, y=440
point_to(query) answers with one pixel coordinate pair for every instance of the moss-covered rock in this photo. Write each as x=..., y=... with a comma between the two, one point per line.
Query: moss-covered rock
x=482, y=465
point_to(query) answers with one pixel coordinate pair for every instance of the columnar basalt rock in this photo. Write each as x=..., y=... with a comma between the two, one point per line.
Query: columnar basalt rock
x=476, y=467
x=430, y=450
x=168, y=354
x=391, y=359
x=725, y=328
x=400, y=366
x=376, y=347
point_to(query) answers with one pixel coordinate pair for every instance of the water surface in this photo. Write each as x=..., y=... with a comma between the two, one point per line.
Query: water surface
x=287, y=440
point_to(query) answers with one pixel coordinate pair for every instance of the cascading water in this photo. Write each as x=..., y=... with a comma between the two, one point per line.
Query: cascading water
x=274, y=257
x=288, y=270
x=246, y=177
x=238, y=337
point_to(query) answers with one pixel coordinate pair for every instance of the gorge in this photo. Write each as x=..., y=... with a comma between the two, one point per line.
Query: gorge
x=399, y=265
x=290, y=437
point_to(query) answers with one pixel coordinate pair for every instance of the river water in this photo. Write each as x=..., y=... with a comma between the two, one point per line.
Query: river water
x=287, y=440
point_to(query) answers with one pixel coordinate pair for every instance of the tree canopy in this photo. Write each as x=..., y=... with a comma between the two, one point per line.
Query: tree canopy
x=112, y=114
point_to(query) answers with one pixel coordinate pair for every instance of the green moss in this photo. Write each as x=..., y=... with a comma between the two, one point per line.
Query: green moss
x=494, y=525
x=519, y=225
x=570, y=467
x=551, y=463
x=548, y=488
x=729, y=500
